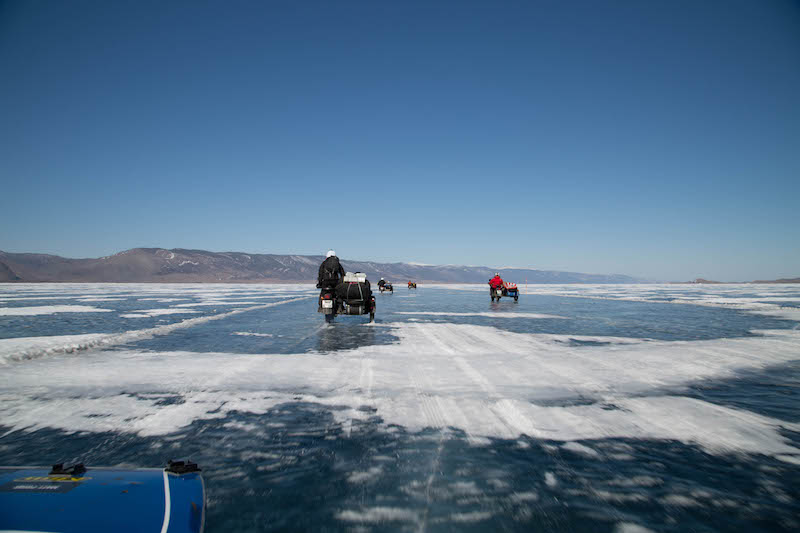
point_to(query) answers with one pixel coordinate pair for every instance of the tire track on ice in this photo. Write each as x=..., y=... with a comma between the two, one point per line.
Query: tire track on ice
x=442, y=411
x=433, y=414
x=431, y=409
x=503, y=413
x=508, y=417
x=427, y=404
x=367, y=377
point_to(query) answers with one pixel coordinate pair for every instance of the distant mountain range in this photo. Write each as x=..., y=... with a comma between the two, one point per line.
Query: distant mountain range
x=178, y=265
x=711, y=282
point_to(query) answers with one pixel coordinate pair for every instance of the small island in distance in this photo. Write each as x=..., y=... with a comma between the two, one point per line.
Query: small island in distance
x=712, y=282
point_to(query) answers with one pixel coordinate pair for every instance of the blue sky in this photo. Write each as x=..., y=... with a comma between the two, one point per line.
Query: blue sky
x=657, y=139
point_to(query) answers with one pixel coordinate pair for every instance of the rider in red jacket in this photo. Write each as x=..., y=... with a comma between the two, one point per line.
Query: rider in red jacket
x=496, y=282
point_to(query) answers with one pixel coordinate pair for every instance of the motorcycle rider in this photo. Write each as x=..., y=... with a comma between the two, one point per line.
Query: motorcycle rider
x=330, y=273
x=496, y=282
x=381, y=283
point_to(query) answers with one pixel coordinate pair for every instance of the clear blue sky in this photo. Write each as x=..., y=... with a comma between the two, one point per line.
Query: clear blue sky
x=658, y=139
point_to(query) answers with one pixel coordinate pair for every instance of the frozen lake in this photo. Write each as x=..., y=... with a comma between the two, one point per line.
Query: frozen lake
x=579, y=408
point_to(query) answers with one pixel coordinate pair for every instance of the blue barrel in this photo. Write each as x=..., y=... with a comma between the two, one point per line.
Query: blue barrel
x=101, y=499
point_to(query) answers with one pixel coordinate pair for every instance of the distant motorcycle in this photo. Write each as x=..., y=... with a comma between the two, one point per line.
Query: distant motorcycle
x=412, y=285
x=507, y=289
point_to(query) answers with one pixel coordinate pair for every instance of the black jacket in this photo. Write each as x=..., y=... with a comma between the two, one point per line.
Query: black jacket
x=330, y=272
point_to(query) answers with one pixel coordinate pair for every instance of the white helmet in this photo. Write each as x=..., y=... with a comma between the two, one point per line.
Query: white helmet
x=381, y=278
x=330, y=253
x=497, y=273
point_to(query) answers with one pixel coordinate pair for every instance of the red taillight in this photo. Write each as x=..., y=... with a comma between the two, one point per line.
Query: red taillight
x=326, y=297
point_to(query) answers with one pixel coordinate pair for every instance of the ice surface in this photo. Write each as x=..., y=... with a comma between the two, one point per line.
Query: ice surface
x=728, y=296
x=18, y=298
x=18, y=349
x=480, y=380
x=476, y=379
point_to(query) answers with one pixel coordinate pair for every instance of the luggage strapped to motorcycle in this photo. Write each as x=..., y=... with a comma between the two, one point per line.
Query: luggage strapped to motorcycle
x=360, y=292
x=355, y=277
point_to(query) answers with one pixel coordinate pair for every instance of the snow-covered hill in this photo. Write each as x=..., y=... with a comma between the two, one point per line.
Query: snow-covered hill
x=179, y=265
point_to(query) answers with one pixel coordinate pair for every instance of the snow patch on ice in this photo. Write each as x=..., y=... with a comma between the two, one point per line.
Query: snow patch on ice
x=216, y=302
x=629, y=527
x=49, y=310
x=679, y=500
x=474, y=516
x=361, y=477
x=793, y=459
x=465, y=487
x=637, y=481
x=524, y=496
x=580, y=449
x=145, y=313
x=618, y=497
x=498, y=314
x=376, y=515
